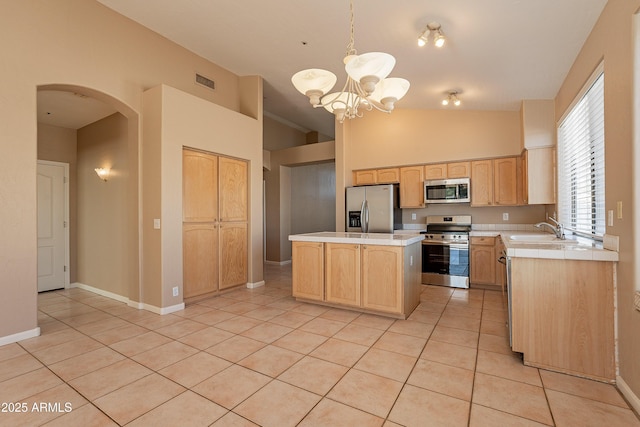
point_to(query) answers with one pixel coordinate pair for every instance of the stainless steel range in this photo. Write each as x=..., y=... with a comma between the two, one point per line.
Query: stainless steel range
x=445, y=251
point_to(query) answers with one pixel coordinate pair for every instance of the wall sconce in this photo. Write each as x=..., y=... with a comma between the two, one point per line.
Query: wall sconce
x=435, y=31
x=103, y=173
x=452, y=98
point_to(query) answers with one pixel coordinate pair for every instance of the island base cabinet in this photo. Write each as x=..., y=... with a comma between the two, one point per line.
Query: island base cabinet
x=342, y=270
x=307, y=270
x=382, y=270
x=378, y=279
x=563, y=315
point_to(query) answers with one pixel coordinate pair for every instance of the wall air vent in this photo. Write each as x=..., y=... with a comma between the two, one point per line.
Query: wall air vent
x=206, y=82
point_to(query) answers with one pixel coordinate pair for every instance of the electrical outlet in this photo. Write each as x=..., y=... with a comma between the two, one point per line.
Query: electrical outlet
x=176, y=291
x=413, y=216
x=505, y=216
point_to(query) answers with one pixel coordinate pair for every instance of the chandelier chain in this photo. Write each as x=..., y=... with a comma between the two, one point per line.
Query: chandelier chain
x=350, y=47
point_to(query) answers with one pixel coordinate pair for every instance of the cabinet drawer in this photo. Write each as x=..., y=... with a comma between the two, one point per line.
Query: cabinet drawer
x=483, y=240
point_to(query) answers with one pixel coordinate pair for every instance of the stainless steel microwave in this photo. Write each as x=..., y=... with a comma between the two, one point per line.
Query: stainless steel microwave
x=456, y=190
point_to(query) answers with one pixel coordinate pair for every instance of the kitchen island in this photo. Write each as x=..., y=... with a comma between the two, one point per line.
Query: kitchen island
x=369, y=272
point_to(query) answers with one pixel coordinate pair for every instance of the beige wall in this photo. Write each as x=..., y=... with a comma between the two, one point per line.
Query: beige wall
x=611, y=40
x=278, y=136
x=278, y=194
x=313, y=198
x=106, y=258
x=173, y=120
x=407, y=137
x=73, y=43
x=60, y=145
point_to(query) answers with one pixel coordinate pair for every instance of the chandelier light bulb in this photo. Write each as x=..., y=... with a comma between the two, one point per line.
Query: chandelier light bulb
x=456, y=102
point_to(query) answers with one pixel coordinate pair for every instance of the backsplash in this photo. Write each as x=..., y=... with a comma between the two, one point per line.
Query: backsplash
x=503, y=227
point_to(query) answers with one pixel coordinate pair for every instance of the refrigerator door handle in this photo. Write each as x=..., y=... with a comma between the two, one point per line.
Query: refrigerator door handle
x=364, y=216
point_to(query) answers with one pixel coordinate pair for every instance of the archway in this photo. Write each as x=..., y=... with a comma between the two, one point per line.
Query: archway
x=108, y=221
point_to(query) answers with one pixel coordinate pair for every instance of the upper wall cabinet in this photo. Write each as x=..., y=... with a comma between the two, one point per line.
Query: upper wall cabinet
x=376, y=176
x=538, y=176
x=494, y=182
x=388, y=176
x=438, y=171
x=412, y=187
x=448, y=170
x=365, y=177
x=459, y=170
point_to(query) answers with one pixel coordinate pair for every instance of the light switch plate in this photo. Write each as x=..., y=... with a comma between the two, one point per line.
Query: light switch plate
x=156, y=223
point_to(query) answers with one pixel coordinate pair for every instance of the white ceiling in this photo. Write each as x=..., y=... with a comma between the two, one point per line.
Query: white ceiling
x=69, y=109
x=498, y=51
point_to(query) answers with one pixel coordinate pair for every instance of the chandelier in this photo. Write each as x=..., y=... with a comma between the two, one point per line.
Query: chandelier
x=367, y=85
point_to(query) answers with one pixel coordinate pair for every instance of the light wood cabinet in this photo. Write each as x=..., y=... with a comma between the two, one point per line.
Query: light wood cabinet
x=538, y=176
x=447, y=170
x=372, y=278
x=365, y=177
x=563, y=315
x=482, y=261
x=307, y=270
x=494, y=182
x=388, y=176
x=505, y=179
x=459, y=170
x=382, y=272
x=233, y=189
x=200, y=251
x=342, y=274
x=482, y=183
x=437, y=171
x=215, y=220
x=412, y=187
x=233, y=254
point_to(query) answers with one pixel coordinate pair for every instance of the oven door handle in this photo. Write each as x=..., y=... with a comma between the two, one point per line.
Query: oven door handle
x=451, y=245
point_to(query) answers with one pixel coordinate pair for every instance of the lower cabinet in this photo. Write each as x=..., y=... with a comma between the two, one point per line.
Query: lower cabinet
x=377, y=278
x=483, y=260
x=233, y=254
x=307, y=270
x=382, y=278
x=342, y=269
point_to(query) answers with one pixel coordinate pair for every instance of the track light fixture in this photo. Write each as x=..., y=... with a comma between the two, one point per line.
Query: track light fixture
x=452, y=98
x=434, y=30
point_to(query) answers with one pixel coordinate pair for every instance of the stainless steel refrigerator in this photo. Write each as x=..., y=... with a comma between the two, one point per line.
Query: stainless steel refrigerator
x=373, y=209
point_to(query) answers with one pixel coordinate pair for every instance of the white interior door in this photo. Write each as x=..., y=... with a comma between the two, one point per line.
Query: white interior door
x=51, y=226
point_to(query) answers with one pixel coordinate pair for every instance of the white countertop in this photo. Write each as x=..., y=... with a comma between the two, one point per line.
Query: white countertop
x=385, y=239
x=574, y=248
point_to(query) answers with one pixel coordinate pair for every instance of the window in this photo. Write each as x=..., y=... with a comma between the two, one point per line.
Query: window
x=581, y=163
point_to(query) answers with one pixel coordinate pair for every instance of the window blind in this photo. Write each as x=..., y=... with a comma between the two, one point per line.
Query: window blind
x=581, y=197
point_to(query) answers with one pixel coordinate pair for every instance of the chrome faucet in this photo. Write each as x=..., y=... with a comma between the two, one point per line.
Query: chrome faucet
x=558, y=228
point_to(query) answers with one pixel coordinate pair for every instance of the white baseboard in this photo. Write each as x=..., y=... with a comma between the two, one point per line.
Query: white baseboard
x=133, y=304
x=9, y=339
x=278, y=262
x=626, y=391
x=164, y=310
x=102, y=292
x=255, y=284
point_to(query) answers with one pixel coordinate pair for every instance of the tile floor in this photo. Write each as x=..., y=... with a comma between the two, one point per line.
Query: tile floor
x=258, y=357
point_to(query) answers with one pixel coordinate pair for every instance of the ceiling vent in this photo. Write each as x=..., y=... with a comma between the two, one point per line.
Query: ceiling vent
x=206, y=82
